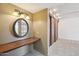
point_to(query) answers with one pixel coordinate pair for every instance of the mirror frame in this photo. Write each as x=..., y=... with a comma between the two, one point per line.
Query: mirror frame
x=14, y=31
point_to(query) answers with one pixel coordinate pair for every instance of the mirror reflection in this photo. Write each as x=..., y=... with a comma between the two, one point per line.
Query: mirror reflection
x=20, y=27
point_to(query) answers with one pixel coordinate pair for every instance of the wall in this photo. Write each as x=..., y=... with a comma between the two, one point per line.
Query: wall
x=6, y=23
x=69, y=28
x=40, y=30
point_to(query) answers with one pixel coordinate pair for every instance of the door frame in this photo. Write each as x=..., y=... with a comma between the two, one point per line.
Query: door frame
x=52, y=40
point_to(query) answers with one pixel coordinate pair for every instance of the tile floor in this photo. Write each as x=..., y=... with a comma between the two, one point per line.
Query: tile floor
x=34, y=53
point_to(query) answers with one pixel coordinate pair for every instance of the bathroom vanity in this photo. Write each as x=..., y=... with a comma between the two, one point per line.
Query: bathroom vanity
x=17, y=44
x=19, y=30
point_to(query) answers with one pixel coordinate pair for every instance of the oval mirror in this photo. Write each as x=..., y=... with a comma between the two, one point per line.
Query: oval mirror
x=20, y=27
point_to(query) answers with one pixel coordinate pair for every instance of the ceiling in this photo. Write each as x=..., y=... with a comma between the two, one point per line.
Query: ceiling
x=34, y=7
x=65, y=10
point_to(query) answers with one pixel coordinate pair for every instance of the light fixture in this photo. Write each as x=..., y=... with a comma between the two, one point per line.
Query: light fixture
x=16, y=13
x=22, y=15
x=27, y=17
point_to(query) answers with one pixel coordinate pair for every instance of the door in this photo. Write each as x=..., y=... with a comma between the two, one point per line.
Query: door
x=53, y=30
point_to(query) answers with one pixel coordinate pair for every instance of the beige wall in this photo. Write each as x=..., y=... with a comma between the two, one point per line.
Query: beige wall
x=6, y=23
x=40, y=30
x=40, y=23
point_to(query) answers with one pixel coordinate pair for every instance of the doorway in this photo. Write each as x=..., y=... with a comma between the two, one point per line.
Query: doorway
x=53, y=29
